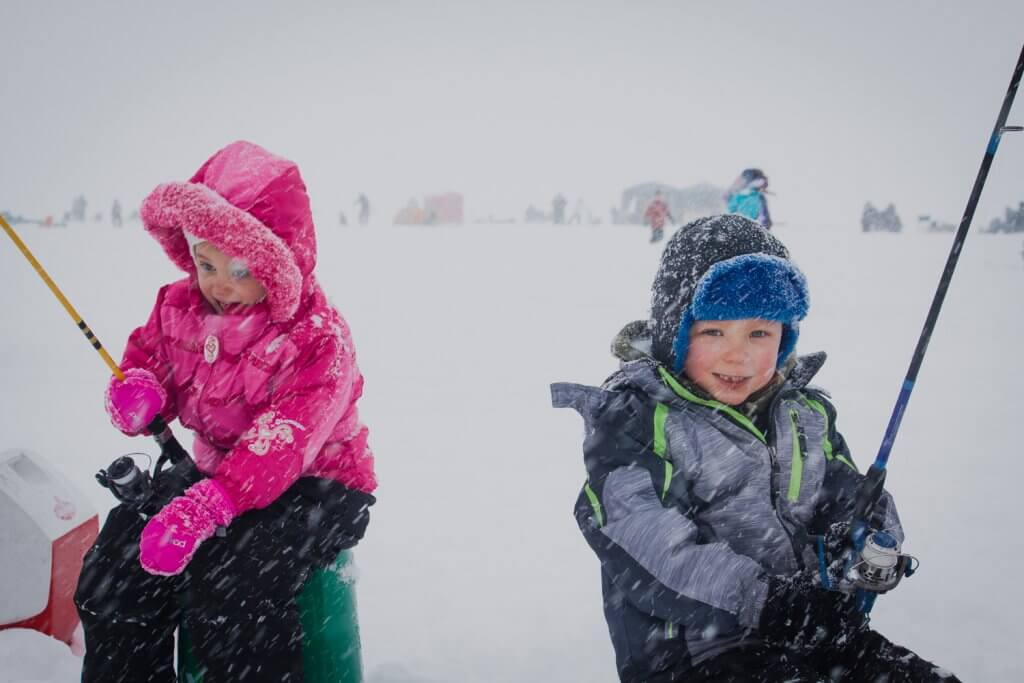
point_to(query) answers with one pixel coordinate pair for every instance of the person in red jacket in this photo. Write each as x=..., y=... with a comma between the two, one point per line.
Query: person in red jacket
x=655, y=215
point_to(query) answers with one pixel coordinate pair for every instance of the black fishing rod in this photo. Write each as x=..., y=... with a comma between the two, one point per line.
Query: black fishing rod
x=871, y=487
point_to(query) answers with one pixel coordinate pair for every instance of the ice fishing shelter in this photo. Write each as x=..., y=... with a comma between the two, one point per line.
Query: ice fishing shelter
x=437, y=209
x=685, y=204
x=410, y=214
x=443, y=208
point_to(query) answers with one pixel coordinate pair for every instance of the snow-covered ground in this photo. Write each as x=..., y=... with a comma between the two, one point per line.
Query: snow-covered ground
x=473, y=569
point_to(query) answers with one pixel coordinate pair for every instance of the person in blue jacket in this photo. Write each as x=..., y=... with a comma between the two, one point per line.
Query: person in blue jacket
x=746, y=197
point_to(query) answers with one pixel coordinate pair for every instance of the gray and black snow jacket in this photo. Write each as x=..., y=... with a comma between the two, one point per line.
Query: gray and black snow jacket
x=690, y=507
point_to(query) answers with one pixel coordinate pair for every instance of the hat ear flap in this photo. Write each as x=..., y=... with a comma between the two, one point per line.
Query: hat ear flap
x=682, y=341
x=790, y=333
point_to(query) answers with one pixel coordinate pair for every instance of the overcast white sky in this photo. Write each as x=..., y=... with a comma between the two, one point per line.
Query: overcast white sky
x=512, y=101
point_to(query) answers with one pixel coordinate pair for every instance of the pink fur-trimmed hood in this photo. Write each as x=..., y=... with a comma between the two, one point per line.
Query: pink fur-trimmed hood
x=251, y=205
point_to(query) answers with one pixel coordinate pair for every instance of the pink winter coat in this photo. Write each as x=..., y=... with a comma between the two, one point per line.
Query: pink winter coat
x=270, y=393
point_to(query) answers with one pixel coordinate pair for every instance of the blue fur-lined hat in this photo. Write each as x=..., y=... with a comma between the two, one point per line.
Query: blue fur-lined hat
x=724, y=268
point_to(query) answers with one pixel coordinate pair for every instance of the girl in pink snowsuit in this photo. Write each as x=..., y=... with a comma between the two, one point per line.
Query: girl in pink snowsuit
x=247, y=353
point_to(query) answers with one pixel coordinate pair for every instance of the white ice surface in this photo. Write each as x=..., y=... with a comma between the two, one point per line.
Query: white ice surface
x=28, y=656
x=473, y=569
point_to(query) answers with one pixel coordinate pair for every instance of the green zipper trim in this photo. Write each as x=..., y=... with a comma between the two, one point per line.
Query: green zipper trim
x=728, y=410
x=668, y=479
x=826, y=444
x=796, y=473
x=661, y=445
x=669, y=630
x=849, y=464
x=660, y=413
x=594, y=503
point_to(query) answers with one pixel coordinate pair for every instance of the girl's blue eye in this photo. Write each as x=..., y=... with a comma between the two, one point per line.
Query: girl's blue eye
x=239, y=271
x=760, y=333
x=712, y=332
x=207, y=267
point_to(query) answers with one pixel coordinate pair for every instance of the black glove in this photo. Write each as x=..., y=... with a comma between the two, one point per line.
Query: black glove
x=799, y=613
x=833, y=550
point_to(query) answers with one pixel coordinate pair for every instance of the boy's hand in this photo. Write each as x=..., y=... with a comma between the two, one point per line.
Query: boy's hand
x=798, y=612
x=133, y=403
x=170, y=539
x=833, y=549
x=839, y=566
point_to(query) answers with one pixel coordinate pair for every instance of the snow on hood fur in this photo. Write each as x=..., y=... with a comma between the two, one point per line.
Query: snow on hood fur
x=250, y=204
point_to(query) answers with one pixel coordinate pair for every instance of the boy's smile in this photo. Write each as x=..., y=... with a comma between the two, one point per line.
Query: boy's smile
x=732, y=359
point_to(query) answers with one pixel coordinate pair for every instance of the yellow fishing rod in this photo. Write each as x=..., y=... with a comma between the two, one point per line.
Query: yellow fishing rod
x=122, y=475
x=62, y=299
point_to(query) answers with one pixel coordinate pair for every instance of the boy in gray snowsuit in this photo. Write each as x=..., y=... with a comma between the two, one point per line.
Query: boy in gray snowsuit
x=718, y=483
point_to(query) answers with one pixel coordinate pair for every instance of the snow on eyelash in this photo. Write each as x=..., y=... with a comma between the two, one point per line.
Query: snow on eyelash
x=239, y=269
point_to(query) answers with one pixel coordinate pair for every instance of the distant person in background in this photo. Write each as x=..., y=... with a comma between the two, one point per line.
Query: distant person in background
x=78, y=208
x=115, y=214
x=364, y=208
x=534, y=215
x=558, y=209
x=577, y=212
x=872, y=219
x=342, y=218
x=868, y=217
x=655, y=215
x=746, y=197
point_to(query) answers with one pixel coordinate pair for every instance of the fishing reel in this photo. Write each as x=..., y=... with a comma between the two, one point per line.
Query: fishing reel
x=129, y=484
x=137, y=488
x=879, y=566
x=147, y=493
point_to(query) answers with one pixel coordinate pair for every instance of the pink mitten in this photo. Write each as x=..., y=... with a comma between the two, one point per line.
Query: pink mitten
x=133, y=403
x=171, y=538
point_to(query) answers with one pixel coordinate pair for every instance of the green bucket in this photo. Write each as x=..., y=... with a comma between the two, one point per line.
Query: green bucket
x=330, y=644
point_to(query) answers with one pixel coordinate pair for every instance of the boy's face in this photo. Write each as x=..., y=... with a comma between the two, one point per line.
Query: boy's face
x=225, y=282
x=732, y=359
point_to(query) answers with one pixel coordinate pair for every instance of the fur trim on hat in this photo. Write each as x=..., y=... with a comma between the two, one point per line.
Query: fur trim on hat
x=174, y=207
x=748, y=286
x=192, y=242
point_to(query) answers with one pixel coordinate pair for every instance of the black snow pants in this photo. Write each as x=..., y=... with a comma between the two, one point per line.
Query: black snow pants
x=237, y=596
x=864, y=657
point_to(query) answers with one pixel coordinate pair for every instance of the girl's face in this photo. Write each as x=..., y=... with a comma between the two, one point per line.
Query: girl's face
x=732, y=359
x=225, y=282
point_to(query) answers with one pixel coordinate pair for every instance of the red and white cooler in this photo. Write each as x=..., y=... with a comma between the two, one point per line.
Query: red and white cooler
x=46, y=526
